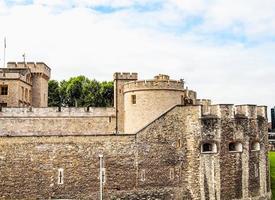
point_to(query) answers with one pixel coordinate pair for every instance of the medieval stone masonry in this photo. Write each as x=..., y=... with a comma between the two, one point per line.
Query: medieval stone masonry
x=158, y=142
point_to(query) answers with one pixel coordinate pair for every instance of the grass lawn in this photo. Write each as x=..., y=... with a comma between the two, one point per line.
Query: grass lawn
x=272, y=172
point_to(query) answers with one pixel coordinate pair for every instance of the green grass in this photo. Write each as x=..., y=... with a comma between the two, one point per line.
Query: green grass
x=272, y=172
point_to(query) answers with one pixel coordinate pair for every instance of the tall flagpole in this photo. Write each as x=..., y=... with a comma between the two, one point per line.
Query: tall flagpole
x=5, y=46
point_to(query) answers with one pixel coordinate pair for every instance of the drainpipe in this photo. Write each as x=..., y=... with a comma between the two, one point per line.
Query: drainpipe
x=116, y=104
x=100, y=176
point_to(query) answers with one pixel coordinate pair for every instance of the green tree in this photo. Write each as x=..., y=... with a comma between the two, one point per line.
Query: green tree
x=107, y=93
x=75, y=89
x=81, y=91
x=54, y=95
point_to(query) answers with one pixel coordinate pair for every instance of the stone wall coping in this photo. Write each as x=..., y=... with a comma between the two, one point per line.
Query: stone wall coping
x=43, y=134
x=53, y=112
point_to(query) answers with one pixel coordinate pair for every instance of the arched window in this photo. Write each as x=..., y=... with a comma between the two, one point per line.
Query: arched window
x=235, y=147
x=255, y=146
x=209, y=147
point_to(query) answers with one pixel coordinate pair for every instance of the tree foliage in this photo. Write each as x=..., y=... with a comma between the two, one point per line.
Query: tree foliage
x=80, y=92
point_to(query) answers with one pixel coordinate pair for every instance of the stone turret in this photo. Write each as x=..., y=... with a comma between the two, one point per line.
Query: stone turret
x=144, y=100
x=29, y=86
x=119, y=80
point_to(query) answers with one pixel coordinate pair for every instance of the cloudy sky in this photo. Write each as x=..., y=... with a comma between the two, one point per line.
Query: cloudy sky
x=224, y=49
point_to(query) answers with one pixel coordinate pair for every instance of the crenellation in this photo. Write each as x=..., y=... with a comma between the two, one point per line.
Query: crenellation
x=125, y=76
x=153, y=84
x=249, y=111
x=262, y=111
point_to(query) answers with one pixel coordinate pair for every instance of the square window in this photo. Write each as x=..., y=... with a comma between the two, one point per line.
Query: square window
x=3, y=104
x=4, y=90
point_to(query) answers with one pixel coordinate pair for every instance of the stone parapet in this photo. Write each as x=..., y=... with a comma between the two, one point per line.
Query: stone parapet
x=154, y=85
x=38, y=67
x=54, y=112
x=125, y=76
x=231, y=111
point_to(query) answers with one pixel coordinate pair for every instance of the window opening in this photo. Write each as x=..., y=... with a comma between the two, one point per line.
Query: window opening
x=209, y=148
x=255, y=146
x=4, y=90
x=134, y=99
x=60, y=176
x=142, y=175
x=235, y=147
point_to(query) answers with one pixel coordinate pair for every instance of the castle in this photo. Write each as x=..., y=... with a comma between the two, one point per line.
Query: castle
x=24, y=84
x=158, y=142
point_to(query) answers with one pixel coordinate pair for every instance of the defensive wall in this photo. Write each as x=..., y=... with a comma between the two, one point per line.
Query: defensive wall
x=57, y=121
x=165, y=159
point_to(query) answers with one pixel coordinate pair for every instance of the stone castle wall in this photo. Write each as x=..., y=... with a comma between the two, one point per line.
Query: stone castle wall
x=162, y=161
x=49, y=121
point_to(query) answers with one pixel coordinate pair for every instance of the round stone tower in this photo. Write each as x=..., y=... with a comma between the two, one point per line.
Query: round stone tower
x=145, y=100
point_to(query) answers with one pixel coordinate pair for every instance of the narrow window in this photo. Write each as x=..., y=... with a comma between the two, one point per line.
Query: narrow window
x=26, y=94
x=119, y=91
x=30, y=95
x=235, y=147
x=110, y=119
x=22, y=91
x=255, y=146
x=172, y=173
x=60, y=176
x=142, y=175
x=134, y=99
x=182, y=99
x=256, y=169
x=4, y=90
x=209, y=148
x=178, y=144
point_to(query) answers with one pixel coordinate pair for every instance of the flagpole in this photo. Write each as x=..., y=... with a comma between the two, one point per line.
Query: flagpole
x=5, y=45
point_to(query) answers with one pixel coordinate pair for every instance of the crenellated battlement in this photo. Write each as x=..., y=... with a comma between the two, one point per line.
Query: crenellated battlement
x=36, y=68
x=125, y=76
x=237, y=111
x=154, y=84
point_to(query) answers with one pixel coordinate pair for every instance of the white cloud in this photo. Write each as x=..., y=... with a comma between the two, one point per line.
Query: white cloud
x=82, y=41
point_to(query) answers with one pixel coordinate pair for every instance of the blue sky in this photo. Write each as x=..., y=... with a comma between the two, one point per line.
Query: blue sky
x=224, y=49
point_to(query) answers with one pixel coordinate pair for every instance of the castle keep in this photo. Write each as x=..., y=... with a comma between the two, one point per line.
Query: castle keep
x=24, y=84
x=159, y=141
